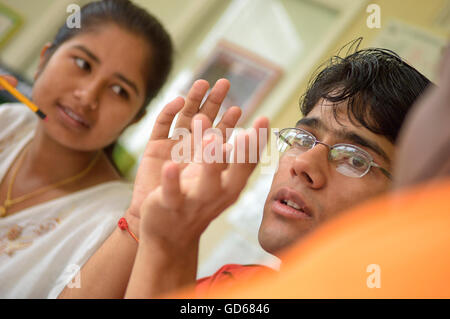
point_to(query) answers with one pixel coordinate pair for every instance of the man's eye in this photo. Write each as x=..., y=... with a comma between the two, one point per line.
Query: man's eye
x=357, y=162
x=304, y=141
x=120, y=91
x=82, y=64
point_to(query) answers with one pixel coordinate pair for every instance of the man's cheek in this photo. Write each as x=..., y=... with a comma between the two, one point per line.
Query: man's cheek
x=281, y=173
x=350, y=199
x=334, y=206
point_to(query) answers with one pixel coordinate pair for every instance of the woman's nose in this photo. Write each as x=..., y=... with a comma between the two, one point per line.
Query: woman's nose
x=88, y=95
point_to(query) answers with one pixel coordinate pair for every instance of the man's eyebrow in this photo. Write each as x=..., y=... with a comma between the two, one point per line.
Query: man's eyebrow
x=316, y=123
x=312, y=122
x=357, y=139
x=118, y=75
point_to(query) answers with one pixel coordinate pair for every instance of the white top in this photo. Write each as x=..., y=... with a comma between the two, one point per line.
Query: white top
x=43, y=247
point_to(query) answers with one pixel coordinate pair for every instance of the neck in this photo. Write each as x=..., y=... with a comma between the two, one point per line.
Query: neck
x=49, y=161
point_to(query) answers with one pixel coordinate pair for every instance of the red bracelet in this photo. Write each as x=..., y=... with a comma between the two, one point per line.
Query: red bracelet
x=123, y=225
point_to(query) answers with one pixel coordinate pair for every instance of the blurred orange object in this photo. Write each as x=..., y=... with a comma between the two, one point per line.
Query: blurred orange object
x=397, y=246
x=228, y=275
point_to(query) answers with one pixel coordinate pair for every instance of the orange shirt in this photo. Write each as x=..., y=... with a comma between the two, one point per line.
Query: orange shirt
x=396, y=246
x=228, y=276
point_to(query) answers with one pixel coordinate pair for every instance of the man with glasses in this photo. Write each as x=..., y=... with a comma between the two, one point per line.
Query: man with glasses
x=338, y=155
x=403, y=232
x=318, y=178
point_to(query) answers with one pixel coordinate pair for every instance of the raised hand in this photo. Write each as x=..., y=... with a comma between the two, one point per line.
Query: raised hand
x=158, y=149
x=175, y=214
x=180, y=209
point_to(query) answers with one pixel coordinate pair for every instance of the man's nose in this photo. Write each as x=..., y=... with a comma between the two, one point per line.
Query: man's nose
x=311, y=166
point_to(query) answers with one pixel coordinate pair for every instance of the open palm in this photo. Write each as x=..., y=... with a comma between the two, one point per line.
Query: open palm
x=158, y=149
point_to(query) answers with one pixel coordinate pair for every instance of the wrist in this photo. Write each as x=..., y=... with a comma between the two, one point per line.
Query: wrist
x=133, y=222
x=165, y=248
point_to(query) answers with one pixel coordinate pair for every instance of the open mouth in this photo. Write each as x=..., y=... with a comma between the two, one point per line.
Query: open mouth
x=289, y=204
x=72, y=117
x=292, y=204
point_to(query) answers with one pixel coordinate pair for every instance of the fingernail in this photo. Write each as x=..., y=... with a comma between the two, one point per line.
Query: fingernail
x=209, y=137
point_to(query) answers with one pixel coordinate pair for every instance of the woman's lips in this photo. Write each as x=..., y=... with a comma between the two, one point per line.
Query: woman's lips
x=71, y=118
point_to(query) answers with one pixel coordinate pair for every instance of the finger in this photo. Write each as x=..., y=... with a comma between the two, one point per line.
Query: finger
x=215, y=151
x=165, y=118
x=444, y=66
x=10, y=79
x=238, y=172
x=261, y=126
x=193, y=101
x=209, y=189
x=170, y=182
x=250, y=143
x=215, y=99
x=229, y=121
x=199, y=124
x=212, y=152
x=209, y=184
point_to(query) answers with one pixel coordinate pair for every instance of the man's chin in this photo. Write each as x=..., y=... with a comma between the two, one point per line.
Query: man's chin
x=277, y=234
x=276, y=243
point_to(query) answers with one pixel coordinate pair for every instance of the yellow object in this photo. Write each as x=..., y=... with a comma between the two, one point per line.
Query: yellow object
x=21, y=97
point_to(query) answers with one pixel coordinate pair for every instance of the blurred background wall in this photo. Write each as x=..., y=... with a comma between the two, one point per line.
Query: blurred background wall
x=275, y=42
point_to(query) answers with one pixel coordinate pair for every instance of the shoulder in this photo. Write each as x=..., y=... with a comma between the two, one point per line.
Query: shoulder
x=236, y=269
x=15, y=117
x=15, y=112
x=228, y=275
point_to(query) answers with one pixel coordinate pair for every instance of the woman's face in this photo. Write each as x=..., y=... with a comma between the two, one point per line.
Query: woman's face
x=92, y=87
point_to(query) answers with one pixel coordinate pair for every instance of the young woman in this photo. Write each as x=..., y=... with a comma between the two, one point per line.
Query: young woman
x=60, y=195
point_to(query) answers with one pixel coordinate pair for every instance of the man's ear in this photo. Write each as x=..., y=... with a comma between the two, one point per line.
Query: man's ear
x=43, y=58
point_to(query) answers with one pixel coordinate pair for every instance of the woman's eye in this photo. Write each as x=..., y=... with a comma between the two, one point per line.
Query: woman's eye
x=82, y=64
x=120, y=91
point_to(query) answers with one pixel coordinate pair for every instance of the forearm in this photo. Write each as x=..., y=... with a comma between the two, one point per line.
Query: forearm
x=160, y=269
x=107, y=272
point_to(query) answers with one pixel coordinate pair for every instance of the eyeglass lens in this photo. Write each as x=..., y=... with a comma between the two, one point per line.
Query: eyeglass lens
x=349, y=160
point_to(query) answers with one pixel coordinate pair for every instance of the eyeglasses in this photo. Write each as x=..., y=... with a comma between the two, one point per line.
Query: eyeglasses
x=350, y=160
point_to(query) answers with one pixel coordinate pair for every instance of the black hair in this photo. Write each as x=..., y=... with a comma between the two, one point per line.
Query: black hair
x=377, y=84
x=134, y=19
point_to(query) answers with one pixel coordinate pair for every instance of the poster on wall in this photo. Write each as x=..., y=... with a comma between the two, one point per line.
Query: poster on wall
x=10, y=22
x=251, y=76
x=420, y=48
